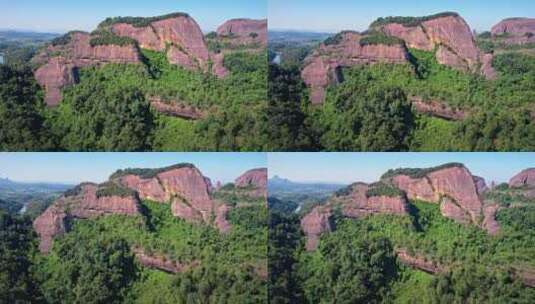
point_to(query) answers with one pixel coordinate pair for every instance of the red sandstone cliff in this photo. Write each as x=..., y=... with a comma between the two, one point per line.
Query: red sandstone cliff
x=255, y=180
x=515, y=30
x=321, y=67
x=86, y=201
x=524, y=178
x=58, y=64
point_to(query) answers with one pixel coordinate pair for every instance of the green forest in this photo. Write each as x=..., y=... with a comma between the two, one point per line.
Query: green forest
x=371, y=109
x=95, y=262
x=356, y=263
x=109, y=109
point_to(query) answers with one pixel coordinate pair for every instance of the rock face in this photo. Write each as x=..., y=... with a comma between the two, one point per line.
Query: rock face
x=59, y=63
x=418, y=262
x=358, y=200
x=437, y=109
x=322, y=67
x=524, y=178
x=176, y=34
x=161, y=263
x=255, y=179
x=180, y=35
x=489, y=221
x=481, y=185
x=182, y=185
x=245, y=31
x=87, y=201
x=514, y=25
x=314, y=224
x=449, y=34
x=452, y=186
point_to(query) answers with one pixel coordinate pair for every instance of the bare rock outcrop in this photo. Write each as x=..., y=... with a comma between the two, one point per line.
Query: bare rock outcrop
x=447, y=33
x=355, y=201
x=418, y=261
x=181, y=185
x=59, y=63
x=481, y=185
x=255, y=180
x=489, y=221
x=514, y=25
x=524, y=178
x=86, y=201
x=322, y=67
x=437, y=109
x=314, y=224
x=160, y=262
x=175, y=109
x=451, y=185
x=244, y=31
x=177, y=33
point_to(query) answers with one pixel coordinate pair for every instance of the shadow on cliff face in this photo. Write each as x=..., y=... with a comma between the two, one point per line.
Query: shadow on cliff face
x=414, y=214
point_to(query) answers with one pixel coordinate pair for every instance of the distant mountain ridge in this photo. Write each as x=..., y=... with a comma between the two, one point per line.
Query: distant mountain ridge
x=278, y=184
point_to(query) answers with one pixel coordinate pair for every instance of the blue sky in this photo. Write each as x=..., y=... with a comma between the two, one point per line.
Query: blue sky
x=368, y=167
x=97, y=167
x=336, y=15
x=66, y=15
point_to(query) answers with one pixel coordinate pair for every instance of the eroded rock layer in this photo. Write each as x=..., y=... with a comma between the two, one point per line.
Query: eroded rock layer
x=255, y=181
x=321, y=68
x=87, y=201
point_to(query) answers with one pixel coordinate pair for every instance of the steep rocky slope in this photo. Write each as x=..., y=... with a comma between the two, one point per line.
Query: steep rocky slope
x=59, y=62
x=515, y=30
x=244, y=31
x=357, y=200
x=452, y=186
x=322, y=67
x=86, y=201
x=524, y=178
x=387, y=40
x=181, y=185
x=117, y=40
x=254, y=181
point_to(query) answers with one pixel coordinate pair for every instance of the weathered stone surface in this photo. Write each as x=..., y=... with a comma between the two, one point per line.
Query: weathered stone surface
x=453, y=39
x=221, y=221
x=175, y=108
x=181, y=209
x=437, y=109
x=481, y=185
x=160, y=262
x=489, y=222
x=418, y=262
x=256, y=180
x=454, y=182
x=178, y=57
x=85, y=204
x=514, y=26
x=245, y=31
x=358, y=202
x=59, y=63
x=314, y=224
x=524, y=178
x=218, y=67
x=321, y=67
x=450, y=209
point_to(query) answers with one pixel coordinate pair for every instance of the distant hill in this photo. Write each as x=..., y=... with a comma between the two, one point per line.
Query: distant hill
x=16, y=35
x=296, y=36
x=278, y=184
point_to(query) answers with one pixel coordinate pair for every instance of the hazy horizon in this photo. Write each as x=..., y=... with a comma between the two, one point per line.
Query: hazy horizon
x=74, y=168
x=346, y=168
x=337, y=15
x=60, y=16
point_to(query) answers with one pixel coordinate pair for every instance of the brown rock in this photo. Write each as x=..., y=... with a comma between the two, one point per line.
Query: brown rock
x=175, y=108
x=418, y=262
x=481, y=185
x=255, y=179
x=321, y=68
x=314, y=224
x=59, y=63
x=450, y=209
x=178, y=57
x=415, y=37
x=245, y=31
x=437, y=109
x=524, y=178
x=85, y=203
x=489, y=222
x=221, y=221
x=182, y=210
x=161, y=262
x=454, y=182
x=514, y=26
